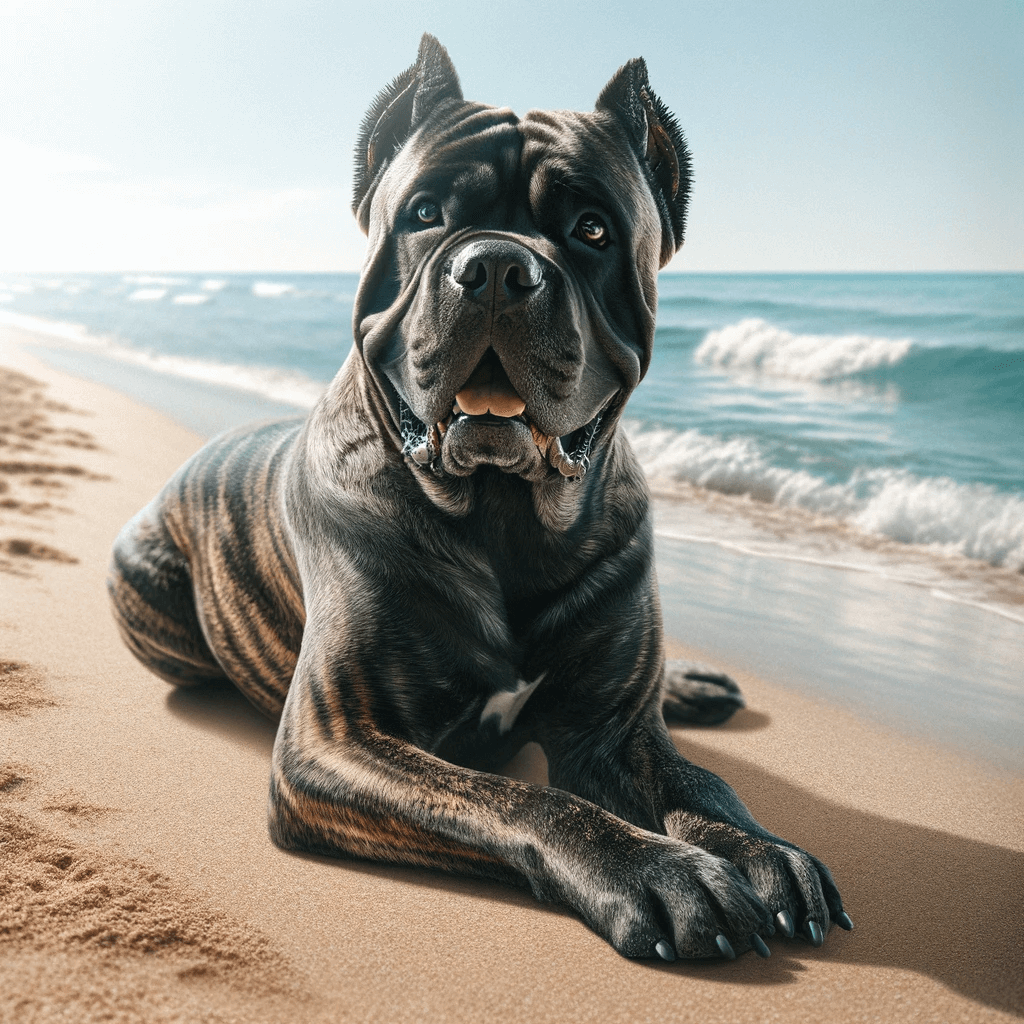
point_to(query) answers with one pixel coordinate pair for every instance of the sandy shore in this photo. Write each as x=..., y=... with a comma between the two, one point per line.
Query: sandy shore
x=137, y=882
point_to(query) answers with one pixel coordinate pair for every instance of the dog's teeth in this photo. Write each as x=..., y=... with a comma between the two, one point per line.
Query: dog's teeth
x=542, y=441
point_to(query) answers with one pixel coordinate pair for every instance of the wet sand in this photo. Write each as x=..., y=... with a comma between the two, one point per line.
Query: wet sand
x=138, y=882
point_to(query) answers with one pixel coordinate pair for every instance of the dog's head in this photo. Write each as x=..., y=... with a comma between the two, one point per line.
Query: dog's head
x=507, y=304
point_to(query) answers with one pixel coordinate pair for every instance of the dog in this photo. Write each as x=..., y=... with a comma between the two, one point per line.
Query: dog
x=452, y=556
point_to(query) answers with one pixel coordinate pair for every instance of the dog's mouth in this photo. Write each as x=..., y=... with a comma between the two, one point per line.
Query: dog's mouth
x=489, y=425
x=489, y=392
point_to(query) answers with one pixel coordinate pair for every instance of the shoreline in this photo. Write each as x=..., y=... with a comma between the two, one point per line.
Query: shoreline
x=925, y=842
x=934, y=665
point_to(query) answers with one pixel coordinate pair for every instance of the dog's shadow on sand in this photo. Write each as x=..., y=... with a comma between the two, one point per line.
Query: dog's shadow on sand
x=923, y=900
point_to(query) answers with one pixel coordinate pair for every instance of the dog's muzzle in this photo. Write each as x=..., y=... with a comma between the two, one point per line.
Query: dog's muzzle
x=488, y=423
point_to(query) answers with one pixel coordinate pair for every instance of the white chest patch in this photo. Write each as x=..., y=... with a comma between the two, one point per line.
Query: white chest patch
x=506, y=704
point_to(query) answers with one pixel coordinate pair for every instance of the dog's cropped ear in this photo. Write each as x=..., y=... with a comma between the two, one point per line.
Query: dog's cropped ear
x=399, y=109
x=659, y=143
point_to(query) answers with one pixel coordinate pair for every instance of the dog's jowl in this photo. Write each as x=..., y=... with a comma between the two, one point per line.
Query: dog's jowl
x=452, y=555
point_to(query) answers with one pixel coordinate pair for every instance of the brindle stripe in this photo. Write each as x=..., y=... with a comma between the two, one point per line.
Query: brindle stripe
x=304, y=820
x=324, y=708
x=150, y=588
x=244, y=539
x=287, y=578
x=366, y=797
x=351, y=446
x=246, y=587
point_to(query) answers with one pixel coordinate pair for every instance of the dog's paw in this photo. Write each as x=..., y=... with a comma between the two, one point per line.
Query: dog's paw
x=668, y=899
x=794, y=885
x=699, y=695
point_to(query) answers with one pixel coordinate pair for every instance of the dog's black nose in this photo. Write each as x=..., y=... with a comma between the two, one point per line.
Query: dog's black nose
x=482, y=265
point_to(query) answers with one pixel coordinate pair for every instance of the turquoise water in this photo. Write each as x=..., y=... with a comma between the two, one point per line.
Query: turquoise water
x=893, y=403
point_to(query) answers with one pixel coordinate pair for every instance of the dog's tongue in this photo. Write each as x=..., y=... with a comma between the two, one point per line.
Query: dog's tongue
x=489, y=390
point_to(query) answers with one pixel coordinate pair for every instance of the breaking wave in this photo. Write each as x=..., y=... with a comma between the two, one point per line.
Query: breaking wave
x=757, y=345
x=974, y=520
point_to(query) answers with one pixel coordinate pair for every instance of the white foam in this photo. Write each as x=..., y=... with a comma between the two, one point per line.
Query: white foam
x=952, y=518
x=51, y=328
x=214, y=284
x=190, y=299
x=271, y=289
x=6, y=297
x=147, y=295
x=154, y=279
x=278, y=385
x=756, y=345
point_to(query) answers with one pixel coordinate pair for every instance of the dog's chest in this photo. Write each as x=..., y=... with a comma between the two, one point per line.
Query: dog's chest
x=501, y=709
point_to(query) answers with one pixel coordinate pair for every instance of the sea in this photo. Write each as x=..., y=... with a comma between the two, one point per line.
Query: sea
x=870, y=424
x=891, y=402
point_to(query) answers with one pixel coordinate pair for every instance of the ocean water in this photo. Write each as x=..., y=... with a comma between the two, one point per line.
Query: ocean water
x=891, y=405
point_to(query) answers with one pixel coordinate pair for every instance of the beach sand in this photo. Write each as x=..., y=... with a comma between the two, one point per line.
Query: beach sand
x=138, y=883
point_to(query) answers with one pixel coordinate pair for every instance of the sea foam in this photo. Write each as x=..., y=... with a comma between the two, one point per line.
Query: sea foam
x=757, y=345
x=284, y=386
x=974, y=520
x=271, y=289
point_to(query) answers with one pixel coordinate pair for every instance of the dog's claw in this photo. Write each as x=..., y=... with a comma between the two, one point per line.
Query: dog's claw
x=760, y=946
x=724, y=947
x=665, y=951
x=785, y=923
x=814, y=933
x=844, y=921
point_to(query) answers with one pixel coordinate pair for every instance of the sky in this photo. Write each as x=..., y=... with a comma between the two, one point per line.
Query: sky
x=217, y=136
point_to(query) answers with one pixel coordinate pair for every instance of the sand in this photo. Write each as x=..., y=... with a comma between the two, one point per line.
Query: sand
x=137, y=881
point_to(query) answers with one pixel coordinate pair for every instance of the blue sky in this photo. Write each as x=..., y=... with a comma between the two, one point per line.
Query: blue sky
x=218, y=135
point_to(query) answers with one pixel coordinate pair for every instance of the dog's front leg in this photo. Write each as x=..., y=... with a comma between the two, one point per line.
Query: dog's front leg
x=633, y=769
x=341, y=785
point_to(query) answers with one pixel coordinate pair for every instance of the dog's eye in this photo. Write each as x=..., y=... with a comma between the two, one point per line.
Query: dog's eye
x=593, y=231
x=428, y=212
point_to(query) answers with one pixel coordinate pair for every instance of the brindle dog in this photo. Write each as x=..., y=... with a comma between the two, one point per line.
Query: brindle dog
x=452, y=555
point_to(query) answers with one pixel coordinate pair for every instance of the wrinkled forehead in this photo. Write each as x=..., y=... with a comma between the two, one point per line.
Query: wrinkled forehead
x=464, y=146
x=584, y=153
x=473, y=146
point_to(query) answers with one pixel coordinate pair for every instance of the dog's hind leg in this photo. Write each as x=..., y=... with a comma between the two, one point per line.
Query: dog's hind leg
x=150, y=587
x=698, y=695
